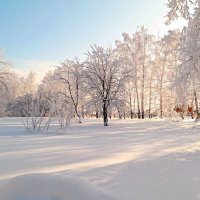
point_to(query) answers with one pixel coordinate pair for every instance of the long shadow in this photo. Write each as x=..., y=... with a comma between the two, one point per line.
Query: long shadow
x=150, y=148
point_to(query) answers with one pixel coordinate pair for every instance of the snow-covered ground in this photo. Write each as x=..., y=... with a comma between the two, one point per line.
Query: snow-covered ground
x=50, y=187
x=130, y=159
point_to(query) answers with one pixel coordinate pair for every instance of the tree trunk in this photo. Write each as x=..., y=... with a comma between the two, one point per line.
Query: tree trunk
x=131, y=110
x=150, y=93
x=97, y=113
x=79, y=118
x=134, y=104
x=142, y=95
x=197, y=106
x=161, y=90
x=130, y=101
x=82, y=111
x=138, y=103
x=77, y=114
x=131, y=114
x=105, y=114
x=192, y=112
x=161, y=105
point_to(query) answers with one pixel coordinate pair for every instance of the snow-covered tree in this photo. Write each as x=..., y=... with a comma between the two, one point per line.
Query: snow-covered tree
x=70, y=75
x=166, y=60
x=59, y=105
x=105, y=75
x=189, y=70
x=181, y=8
x=136, y=52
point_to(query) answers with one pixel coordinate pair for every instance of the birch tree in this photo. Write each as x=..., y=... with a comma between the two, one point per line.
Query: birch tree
x=138, y=49
x=166, y=61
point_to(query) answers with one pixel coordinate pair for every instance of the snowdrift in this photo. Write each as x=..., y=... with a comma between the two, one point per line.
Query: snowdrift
x=50, y=187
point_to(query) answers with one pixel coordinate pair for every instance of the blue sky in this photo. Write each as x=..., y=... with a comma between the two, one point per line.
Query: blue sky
x=50, y=31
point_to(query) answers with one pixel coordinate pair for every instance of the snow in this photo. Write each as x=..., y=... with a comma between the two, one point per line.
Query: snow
x=50, y=187
x=128, y=160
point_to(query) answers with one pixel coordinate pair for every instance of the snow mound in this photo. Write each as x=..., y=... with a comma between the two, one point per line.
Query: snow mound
x=50, y=187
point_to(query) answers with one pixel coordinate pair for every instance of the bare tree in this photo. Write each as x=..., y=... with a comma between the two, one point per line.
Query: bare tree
x=4, y=71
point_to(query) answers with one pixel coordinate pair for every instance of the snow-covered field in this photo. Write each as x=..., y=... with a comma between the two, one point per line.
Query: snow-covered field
x=129, y=160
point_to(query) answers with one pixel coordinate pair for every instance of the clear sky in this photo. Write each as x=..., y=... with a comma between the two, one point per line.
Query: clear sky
x=37, y=34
